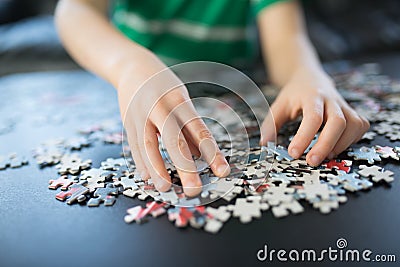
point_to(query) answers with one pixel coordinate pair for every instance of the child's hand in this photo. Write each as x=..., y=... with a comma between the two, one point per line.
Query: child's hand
x=154, y=111
x=313, y=95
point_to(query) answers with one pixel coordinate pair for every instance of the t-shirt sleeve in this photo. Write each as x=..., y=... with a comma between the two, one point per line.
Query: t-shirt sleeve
x=259, y=5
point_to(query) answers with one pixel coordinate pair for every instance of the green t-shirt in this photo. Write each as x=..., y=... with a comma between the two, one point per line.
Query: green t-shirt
x=189, y=30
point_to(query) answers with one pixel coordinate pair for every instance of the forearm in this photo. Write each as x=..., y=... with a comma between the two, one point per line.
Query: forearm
x=285, y=43
x=96, y=45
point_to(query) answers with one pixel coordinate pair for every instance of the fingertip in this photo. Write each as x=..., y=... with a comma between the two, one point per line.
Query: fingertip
x=295, y=153
x=223, y=170
x=314, y=160
x=162, y=184
x=192, y=185
x=267, y=137
x=261, y=142
x=220, y=166
x=192, y=191
x=144, y=175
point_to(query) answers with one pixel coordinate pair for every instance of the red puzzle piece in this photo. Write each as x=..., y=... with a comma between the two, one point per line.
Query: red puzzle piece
x=182, y=216
x=343, y=165
x=63, y=181
x=75, y=192
x=262, y=188
x=138, y=213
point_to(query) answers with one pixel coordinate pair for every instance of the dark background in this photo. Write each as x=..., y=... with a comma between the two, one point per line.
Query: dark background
x=36, y=230
x=340, y=29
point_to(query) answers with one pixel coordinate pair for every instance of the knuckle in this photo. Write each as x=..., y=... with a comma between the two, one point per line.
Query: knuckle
x=171, y=142
x=148, y=142
x=324, y=148
x=181, y=143
x=316, y=117
x=338, y=150
x=340, y=121
x=366, y=123
x=358, y=123
x=176, y=142
x=204, y=134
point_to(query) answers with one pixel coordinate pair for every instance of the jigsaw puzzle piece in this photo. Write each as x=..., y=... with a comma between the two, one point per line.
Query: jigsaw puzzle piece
x=17, y=161
x=376, y=173
x=62, y=181
x=4, y=162
x=316, y=190
x=77, y=143
x=213, y=226
x=386, y=152
x=246, y=210
x=127, y=183
x=280, y=152
x=94, y=177
x=368, y=136
x=342, y=165
x=138, y=213
x=12, y=161
x=76, y=192
x=104, y=195
x=113, y=164
x=276, y=195
x=364, y=153
x=283, y=209
x=72, y=164
x=328, y=205
x=181, y=216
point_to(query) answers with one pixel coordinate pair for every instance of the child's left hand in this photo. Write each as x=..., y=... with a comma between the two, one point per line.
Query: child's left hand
x=312, y=94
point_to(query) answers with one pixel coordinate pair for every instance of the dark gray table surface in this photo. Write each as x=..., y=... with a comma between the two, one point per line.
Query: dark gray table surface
x=37, y=230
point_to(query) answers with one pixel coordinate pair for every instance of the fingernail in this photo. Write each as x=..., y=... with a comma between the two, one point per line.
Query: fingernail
x=315, y=159
x=331, y=155
x=192, y=191
x=161, y=184
x=295, y=153
x=143, y=175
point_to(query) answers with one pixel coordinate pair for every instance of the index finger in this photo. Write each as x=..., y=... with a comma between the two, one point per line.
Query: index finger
x=313, y=112
x=181, y=156
x=205, y=142
x=197, y=132
x=332, y=132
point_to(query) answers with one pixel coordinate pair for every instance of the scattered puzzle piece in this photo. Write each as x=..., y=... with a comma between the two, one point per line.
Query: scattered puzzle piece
x=104, y=195
x=12, y=161
x=386, y=152
x=62, y=181
x=76, y=192
x=246, y=210
x=343, y=165
x=376, y=173
x=283, y=209
x=365, y=153
x=72, y=164
x=138, y=213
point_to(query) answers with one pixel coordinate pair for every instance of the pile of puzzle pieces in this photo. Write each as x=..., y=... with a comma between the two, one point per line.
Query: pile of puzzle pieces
x=262, y=178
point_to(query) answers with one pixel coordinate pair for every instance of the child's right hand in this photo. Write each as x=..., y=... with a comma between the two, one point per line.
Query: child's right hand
x=161, y=106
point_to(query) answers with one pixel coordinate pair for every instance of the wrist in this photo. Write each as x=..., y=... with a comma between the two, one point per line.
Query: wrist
x=315, y=73
x=133, y=67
